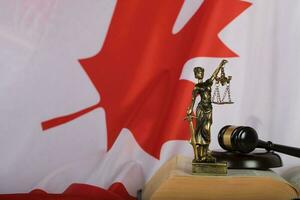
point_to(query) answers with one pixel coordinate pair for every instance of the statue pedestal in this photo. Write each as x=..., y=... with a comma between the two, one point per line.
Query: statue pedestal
x=174, y=180
x=209, y=169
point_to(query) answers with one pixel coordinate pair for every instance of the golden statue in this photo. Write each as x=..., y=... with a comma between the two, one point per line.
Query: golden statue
x=201, y=134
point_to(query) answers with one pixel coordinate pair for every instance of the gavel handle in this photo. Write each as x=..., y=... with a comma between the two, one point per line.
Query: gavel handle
x=292, y=151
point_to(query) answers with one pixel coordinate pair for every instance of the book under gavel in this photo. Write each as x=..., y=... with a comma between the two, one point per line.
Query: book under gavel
x=174, y=179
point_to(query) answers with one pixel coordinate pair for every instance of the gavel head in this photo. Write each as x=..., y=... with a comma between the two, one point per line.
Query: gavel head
x=238, y=138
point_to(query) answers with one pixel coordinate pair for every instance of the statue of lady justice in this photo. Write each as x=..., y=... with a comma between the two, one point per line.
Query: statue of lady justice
x=200, y=139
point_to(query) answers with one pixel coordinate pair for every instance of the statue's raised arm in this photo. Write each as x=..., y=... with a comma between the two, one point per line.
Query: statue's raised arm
x=216, y=72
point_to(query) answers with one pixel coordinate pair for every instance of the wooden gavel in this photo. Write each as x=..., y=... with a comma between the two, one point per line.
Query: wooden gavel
x=244, y=139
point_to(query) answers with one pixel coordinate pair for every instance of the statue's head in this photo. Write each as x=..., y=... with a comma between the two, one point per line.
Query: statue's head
x=199, y=73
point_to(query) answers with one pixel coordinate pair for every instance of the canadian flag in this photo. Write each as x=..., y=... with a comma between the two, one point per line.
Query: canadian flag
x=94, y=93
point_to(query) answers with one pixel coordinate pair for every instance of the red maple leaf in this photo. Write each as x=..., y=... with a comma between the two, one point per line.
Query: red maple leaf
x=137, y=71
